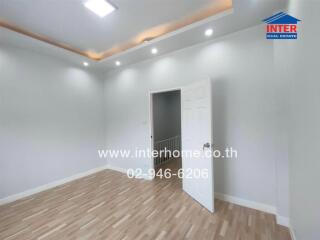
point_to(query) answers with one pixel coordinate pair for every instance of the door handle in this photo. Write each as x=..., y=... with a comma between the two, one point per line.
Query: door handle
x=206, y=145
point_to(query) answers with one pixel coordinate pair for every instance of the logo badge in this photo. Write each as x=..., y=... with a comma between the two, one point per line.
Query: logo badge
x=281, y=26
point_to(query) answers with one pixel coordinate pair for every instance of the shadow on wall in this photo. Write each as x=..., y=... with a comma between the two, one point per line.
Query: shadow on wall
x=219, y=118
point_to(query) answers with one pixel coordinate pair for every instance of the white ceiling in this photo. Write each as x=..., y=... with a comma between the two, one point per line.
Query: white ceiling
x=70, y=22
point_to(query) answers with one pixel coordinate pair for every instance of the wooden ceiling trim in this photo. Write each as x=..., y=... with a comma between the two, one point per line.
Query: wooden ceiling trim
x=155, y=32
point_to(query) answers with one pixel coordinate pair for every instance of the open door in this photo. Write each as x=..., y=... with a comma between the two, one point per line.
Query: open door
x=196, y=136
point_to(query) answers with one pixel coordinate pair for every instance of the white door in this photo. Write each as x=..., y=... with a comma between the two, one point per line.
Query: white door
x=196, y=124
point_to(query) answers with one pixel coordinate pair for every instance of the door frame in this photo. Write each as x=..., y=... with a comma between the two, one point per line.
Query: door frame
x=151, y=127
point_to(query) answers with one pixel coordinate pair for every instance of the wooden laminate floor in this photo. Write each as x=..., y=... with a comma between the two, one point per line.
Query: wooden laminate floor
x=108, y=205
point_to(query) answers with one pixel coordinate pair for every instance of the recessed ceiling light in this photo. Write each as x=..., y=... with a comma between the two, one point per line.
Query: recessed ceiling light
x=85, y=64
x=118, y=63
x=154, y=51
x=208, y=32
x=100, y=7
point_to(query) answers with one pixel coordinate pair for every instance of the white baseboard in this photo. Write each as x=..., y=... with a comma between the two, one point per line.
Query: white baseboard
x=292, y=234
x=32, y=191
x=246, y=203
x=283, y=221
x=115, y=168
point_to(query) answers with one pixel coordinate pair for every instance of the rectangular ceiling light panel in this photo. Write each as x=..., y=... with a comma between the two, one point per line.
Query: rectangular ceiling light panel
x=100, y=7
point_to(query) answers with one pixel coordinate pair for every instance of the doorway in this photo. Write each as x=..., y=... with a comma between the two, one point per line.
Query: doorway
x=193, y=135
x=166, y=133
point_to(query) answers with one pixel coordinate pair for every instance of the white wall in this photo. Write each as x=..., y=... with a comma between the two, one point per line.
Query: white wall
x=166, y=115
x=51, y=120
x=300, y=69
x=265, y=105
x=52, y=115
x=245, y=108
